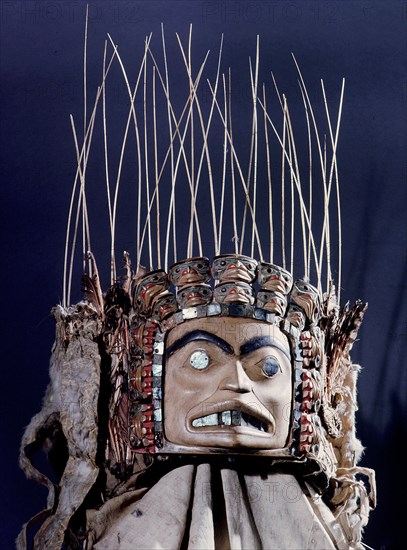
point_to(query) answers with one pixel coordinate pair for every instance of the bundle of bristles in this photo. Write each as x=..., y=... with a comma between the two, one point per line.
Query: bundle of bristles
x=191, y=166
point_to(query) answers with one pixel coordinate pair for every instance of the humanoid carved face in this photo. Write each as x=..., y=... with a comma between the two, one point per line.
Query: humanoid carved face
x=194, y=295
x=228, y=384
x=191, y=271
x=230, y=267
x=306, y=296
x=148, y=288
x=164, y=305
x=275, y=278
x=227, y=293
x=272, y=301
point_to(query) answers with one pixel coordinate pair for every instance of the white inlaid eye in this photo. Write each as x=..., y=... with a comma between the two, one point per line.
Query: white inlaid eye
x=199, y=359
x=271, y=366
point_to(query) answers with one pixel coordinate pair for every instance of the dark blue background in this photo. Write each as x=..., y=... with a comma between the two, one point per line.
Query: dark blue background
x=41, y=57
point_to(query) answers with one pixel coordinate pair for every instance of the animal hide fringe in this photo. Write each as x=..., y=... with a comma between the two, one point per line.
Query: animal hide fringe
x=351, y=500
x=70, y=403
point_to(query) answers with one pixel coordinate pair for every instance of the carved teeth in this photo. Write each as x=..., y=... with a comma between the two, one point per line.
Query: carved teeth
x=230, y=418
x=208, y=420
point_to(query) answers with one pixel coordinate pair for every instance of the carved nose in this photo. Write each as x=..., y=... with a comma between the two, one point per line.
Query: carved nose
x=189, y=270
x=236, y=379
x=235, y=264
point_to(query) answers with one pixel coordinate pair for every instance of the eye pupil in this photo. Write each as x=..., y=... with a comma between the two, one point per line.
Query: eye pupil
x=199, y=359
x=270, y=366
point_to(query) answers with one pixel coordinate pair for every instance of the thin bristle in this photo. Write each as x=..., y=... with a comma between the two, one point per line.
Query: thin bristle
x=190, y=245
x=109, y=203
x=334, y=168
x=292, y=194
x=150, y=250
x=270, y=192
x=85, y=220
x=283, y=154
x=156, y=189
x=171, y=212
x=310, y=190
x=255, y=139
x=232, y=166
x=249, y=169
x=85, y=49
x=225, y=145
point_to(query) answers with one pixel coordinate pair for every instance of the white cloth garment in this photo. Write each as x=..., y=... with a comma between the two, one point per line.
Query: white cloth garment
x=203, y=508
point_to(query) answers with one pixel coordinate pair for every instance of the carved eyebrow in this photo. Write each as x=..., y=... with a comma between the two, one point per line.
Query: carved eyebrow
x=195, y=335
x=260, y=342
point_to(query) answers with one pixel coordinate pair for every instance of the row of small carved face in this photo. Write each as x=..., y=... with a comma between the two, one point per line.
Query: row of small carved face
x=231, y=268
x=233, y=276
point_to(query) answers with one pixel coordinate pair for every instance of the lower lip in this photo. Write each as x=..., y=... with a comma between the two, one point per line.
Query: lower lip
x=231, y=430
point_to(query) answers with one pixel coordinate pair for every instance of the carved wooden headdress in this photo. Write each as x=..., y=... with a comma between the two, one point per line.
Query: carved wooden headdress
x=194, y=194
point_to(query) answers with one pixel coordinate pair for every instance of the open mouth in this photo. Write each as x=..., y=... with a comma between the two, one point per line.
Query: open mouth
x=230, y=418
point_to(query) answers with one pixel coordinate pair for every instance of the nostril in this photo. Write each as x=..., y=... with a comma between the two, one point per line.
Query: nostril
x=237, y=381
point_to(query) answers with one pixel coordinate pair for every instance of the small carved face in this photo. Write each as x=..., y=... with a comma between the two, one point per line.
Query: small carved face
x=148, y=288
x=272, y=301
x=194, y=295
x=164, y=305
x=274, y=278
x=228, y=384
x=296, y=316
x=191, y=271
x=228, y=293
x=307, y=297
x=234, y=268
